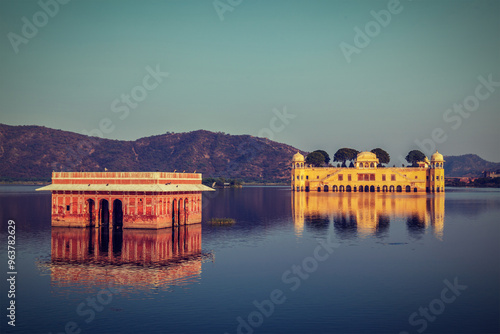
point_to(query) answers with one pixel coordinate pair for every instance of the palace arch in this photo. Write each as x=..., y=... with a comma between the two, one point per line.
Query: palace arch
x=117, y=214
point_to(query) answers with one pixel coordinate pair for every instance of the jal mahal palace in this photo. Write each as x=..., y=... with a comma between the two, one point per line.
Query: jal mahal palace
x=367, y=176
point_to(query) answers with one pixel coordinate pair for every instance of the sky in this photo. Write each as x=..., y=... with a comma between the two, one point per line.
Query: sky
x=314, y=74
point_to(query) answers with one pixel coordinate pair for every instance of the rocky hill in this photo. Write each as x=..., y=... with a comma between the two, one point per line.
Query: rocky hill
x=468, y=165
x=33, y=152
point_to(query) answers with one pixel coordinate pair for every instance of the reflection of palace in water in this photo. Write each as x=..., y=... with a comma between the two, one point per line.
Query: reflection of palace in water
x=137, y=258
x=368, y=213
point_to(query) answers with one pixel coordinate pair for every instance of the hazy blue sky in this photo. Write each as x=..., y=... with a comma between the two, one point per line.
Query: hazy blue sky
x=230, y=74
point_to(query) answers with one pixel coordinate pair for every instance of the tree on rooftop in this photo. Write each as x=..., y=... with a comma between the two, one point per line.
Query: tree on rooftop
x=315, y=158
x=382, y=156
x=344, y=154
x=415, y=156
x=327, y=157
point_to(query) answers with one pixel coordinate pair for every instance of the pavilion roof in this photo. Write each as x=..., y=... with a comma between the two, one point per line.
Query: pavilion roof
x=126, y=187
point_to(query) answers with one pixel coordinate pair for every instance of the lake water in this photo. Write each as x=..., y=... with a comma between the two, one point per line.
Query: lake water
x=291, y=263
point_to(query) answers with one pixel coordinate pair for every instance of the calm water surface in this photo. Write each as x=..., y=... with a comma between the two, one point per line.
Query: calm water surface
x=303, y=263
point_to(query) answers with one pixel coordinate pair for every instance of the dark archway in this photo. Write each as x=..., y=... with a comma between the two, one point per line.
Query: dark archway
x=408, y=189
x=361, y=189
x=91, y=212
x=399, y=189
x=174, y=212
x=325, y=188
x=334, y=189
x=415, y=190
x=372, y=189
x=384, y=189
x=341, y=189
x=104, y=212
x=186, y=210
x=391, y=189
x=437, y=189
x=367, y=189
x=348, y=189
x=117, y=214
x=180, y=212
x=378, y=189
x=319, y=189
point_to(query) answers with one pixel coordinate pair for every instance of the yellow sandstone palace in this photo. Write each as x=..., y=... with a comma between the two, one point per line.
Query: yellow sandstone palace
x=365, y=176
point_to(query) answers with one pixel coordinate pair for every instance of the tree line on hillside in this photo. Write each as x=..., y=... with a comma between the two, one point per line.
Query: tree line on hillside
x=320, y=158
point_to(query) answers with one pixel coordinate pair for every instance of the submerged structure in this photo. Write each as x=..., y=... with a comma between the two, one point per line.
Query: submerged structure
x=150, y=200
x=367, y=176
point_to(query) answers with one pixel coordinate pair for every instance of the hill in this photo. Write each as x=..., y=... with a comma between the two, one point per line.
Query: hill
x=33, y=152
x=470, y=165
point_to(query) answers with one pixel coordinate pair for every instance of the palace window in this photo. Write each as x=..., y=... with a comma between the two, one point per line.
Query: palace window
x=349, y=177
x=298, y=177
x=341, y=177
x=307, y=177
x=415, y=176
x=372, y=177
x=383, y=177
x=317, y=176
x=393, y=177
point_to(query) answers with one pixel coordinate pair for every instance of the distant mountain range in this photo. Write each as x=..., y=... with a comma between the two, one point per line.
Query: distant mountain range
x=33, y=152
x=467, y=165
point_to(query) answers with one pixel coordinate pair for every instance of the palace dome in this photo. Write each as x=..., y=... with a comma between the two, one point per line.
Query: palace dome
x=297, y=157
x=437, y=157
x=366, y=156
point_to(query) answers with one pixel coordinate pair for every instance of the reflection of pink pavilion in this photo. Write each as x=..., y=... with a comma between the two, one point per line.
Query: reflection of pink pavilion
x=138, y=258
x=125, y=199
